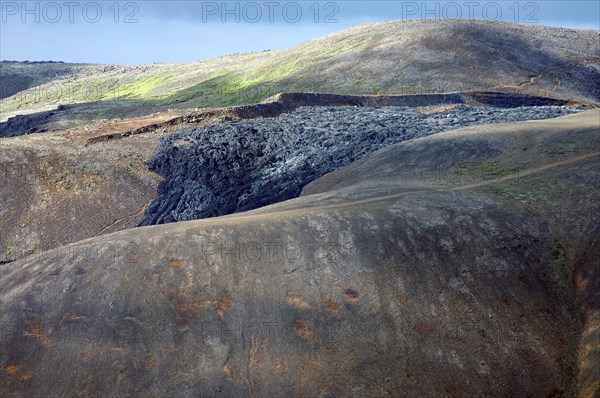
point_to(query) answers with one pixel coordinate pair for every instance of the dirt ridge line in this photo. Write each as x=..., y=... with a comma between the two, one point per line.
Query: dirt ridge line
x=424, y=189
x=286, y=102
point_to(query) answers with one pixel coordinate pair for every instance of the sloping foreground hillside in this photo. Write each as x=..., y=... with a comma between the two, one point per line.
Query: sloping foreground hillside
x=384, y=58
x=459, y=264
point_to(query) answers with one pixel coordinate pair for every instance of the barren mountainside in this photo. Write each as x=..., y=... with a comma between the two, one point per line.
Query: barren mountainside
x=389, y=58
x=464, y=283
x=398, y=209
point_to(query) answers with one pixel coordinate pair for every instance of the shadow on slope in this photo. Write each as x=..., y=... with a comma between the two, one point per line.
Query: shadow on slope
x=442, y=290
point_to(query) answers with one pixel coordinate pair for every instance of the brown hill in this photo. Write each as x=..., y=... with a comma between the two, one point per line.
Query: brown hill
x=395, y=57
x=450, y=265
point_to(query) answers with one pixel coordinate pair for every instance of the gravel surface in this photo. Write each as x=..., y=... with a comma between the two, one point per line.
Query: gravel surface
x=229, y=168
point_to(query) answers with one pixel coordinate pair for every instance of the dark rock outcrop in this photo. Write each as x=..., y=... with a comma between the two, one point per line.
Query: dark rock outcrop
x=228, y=168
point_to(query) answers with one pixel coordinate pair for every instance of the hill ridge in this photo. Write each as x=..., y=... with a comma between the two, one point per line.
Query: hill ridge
x=400, y=57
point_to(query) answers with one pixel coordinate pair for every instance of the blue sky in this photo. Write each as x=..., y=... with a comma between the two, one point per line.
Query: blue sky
x=137, y=32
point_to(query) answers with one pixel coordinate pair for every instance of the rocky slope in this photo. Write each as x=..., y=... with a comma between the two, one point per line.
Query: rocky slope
x=55, y=186
x=416, y=258
x=393, y=57
x=449, y=265
x=228, y=168
x=70, y=116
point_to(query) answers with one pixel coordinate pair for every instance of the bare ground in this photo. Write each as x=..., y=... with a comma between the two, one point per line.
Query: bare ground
x=478, y=284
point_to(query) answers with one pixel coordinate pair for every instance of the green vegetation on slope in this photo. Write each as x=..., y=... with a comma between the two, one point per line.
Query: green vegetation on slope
x=384, y=58
x=488, y=170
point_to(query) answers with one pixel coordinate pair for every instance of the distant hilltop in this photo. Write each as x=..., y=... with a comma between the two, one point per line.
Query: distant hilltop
x=390, y=58
x=4, y=61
